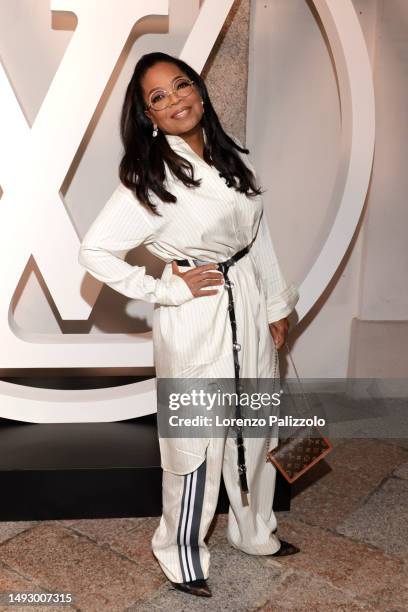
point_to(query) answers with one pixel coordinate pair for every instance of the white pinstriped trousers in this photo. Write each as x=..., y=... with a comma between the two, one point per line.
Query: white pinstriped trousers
x=189, y=504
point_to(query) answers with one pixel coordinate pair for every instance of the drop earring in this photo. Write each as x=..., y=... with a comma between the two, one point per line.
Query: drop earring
x=155, y=131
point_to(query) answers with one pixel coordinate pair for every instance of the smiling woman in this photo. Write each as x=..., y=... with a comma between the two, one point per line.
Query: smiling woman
x=189, y=194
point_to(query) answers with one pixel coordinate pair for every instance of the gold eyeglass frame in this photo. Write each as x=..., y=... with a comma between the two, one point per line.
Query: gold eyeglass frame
x=190, y=82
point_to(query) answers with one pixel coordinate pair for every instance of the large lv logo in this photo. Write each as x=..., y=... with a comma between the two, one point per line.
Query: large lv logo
x=34, y=221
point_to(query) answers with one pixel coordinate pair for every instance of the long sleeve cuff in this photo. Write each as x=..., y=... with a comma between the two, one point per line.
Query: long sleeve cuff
x=282, y=304
x=174, y=292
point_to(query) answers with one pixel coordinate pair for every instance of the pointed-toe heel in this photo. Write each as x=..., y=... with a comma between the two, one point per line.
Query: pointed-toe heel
x=194, y=587
x=285, y=549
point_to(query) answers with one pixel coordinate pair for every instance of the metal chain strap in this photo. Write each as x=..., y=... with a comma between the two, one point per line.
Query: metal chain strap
x=300, y=385
x=298, y=379
x=268, y=436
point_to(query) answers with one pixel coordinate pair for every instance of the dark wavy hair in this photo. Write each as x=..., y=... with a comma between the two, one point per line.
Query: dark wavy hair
x=142, y=166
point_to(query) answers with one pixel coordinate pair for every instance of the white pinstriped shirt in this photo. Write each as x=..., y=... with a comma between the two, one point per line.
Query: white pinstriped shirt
x=211, y=223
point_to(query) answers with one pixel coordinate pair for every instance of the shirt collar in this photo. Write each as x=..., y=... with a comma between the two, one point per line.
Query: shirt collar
x=177, y=141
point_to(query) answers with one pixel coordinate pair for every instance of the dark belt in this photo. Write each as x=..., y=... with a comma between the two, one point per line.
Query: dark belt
x=223, y=267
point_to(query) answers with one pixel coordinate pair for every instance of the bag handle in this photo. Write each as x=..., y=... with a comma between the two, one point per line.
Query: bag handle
x=297, y=376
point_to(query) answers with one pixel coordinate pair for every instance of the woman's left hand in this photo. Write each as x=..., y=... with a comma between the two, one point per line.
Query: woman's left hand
x=279, y=331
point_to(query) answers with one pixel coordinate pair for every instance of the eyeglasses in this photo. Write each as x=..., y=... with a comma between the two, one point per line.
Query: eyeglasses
x=160, y=99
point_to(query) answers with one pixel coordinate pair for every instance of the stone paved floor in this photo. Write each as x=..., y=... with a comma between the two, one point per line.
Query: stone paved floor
x=349, y=517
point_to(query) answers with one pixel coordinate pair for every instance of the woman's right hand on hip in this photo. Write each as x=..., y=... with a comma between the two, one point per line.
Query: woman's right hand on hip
x=199, y=277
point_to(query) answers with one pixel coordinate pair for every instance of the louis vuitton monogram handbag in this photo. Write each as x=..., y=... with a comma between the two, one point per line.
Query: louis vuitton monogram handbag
x=300, y=451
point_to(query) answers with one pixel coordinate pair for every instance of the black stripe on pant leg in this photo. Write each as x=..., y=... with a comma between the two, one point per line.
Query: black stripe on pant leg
x=195, y=526
x=180, y=535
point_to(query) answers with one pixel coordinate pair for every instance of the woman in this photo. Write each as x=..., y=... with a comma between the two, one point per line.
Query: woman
x=188, y=192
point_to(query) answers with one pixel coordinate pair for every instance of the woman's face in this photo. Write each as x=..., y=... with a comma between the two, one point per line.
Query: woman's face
x=183, y=114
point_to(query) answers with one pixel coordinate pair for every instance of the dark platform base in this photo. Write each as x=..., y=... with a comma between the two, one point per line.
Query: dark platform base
x=87, y=470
